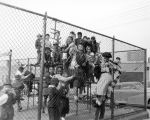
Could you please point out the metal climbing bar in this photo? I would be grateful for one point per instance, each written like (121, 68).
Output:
(24, 27)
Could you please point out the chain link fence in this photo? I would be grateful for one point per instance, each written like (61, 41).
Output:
(20, 29)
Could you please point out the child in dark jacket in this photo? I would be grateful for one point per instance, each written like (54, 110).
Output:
(54, 100)
(7, 100)
(46, 83)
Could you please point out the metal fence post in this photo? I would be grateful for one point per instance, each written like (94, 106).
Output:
(112, 93)
(9, 66)
(28, 62)
(42, 70)
(145, 79)
(55, 28)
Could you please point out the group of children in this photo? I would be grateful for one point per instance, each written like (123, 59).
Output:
(55, 89)
(80, 58)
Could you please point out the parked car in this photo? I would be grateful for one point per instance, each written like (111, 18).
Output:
(130, 93)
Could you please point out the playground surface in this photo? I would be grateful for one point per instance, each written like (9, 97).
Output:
(85, 112)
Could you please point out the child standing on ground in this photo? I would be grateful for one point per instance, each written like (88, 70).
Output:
(63, 89)
(46, 83)
(54, 100)
(7, 100)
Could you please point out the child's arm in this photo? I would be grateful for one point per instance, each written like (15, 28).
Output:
(64, 79)
(3, 99)
(24, 77)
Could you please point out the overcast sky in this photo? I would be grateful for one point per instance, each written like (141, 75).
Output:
(128, 20)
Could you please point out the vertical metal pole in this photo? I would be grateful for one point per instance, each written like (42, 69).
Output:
(90, 96)
(34, 86)
(28, 63)
(145, 79)
(112, 93)
(87, 95)
(42, 70)
(76, 102)
(28, 88)
(9, 66)
(55, 28)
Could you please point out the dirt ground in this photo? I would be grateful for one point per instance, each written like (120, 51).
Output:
(85, 112)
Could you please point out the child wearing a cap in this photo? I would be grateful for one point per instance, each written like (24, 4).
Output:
(38, 47)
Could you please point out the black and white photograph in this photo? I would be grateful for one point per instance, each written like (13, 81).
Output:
(74, 60)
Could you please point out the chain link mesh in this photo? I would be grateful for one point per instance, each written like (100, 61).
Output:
(19, 30)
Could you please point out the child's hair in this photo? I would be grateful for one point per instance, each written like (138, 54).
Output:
(7, 88)
(46, 74)
(107, 55)
(118, 58)
(85, 37)
(59, 67)
(47, 35)
(79, 33)
(72, 32)
(93, 38)
(54, 82)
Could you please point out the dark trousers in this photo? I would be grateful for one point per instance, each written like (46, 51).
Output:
(38, 56)
(100, 111)
(64, 106)
(53, 113)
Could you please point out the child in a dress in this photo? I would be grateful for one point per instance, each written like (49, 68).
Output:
(102, 85)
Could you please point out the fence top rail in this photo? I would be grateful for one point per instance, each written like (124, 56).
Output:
(129, 44)
(29, 11)
(22, 9)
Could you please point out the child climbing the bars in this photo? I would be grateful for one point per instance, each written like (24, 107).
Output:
(18, 84)
(63, 89)
(102, 85)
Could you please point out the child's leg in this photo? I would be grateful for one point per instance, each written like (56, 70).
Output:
(45, 103)
(18, 101)
(97, 113)
(38, 57)
(51, 113)
(102, 111)
(75, 92)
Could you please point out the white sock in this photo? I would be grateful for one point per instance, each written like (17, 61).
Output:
(98, 102)
(75, 98)
(62, 118)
